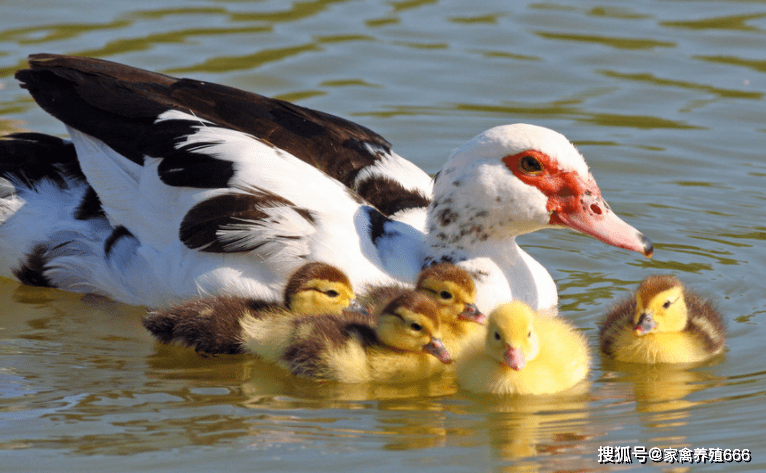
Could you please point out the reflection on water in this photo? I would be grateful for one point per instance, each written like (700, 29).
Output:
(661, 388)
(664, 99)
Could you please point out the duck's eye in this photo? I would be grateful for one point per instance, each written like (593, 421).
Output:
(529, 335)
(666, 305)
(530, 165)
(445, 295)
(497, 336)
(416, 326)
(332, 293)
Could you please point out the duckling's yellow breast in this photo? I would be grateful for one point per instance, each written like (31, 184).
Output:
(662, 347)
(393, 366)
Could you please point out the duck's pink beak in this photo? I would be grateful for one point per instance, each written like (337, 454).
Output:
(514, 358)
(587, 212)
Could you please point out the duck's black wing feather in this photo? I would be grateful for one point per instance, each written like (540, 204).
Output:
(119, 105)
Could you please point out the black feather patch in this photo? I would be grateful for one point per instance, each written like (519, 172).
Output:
(30, 157)
(185, 165)
(32, 271)
(378, 223)
(119, 105)
(117, 233)
(389, 196)
(97, 100)
(201, 226)
(90, 206)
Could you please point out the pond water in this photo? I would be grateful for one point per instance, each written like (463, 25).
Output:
(664, 98)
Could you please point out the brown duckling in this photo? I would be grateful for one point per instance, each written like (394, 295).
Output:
(211, 325)
(453, 289)
(663, 322)
(400, 343)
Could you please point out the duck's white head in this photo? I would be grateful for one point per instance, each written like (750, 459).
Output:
(516, 179)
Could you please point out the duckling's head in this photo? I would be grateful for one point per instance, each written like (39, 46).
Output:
(318, 288)
(511, 337)
(660, 306)
(410, 322)
(453, 290)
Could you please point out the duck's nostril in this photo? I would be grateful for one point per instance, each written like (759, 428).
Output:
(595, 209)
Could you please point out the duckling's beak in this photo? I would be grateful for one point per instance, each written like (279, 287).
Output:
(514, 358)
(645, 324)
(357, 307)
(436, 348)
(473, 314)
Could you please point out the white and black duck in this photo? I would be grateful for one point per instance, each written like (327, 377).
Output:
(172, 188)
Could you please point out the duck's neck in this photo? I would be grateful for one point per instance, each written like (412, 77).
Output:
(479, 232)
(462, 226)
(502, 272)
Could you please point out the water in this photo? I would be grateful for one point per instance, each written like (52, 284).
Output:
(664, 98)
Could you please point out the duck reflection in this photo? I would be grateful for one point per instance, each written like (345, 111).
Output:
(523, 427)
(662, 387)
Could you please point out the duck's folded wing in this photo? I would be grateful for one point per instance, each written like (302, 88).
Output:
(119, 106)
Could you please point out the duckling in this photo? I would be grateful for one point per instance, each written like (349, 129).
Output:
(454, 291)
(663, 322)
(211, 325)
(401, 343)
(524, 353)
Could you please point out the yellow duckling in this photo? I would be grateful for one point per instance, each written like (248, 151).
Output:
(400, 343)
(453, 289)
(211, 325)
(524, 353)
(663, 323)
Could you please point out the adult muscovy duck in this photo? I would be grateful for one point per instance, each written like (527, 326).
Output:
(172, 188)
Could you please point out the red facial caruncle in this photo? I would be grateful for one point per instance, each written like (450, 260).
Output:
(575, 201)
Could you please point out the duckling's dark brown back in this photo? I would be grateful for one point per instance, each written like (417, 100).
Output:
(619, 317)
(705, 322)
(315, 336)
(210, 325)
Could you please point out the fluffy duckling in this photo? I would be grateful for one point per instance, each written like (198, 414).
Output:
(454, 291)
(211, 325)
(663, 323)
(400, 343)
(524, 353)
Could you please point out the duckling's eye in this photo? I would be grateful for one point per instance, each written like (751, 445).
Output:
(529, 335)
(416, 326)
(445, 295)
(332, 293)
(497, 336)
(530, 165)
(666, 305)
